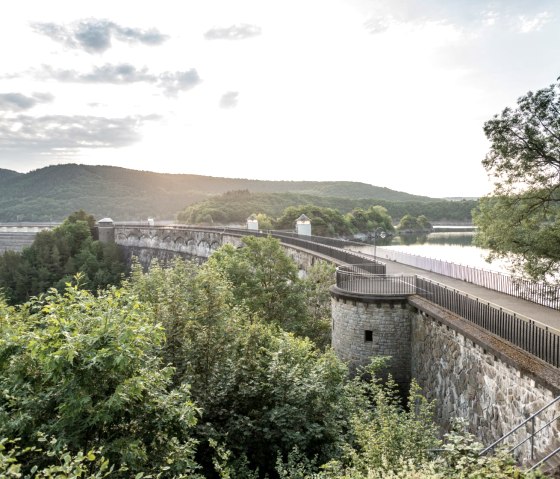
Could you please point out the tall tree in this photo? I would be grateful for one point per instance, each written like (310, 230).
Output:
(56, 256)
(264, 279)
(521, 220)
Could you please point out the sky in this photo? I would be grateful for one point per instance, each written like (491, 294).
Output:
(393, 93)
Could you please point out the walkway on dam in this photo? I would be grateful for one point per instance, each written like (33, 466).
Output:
(542, 314)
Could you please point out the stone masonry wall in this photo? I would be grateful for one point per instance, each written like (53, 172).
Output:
(470, 373)
(389, 323)
(480, 384)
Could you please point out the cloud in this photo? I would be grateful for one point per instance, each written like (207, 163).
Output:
(235, 32)
(124, 73)
(54, 134)
(150, 37)
(173, 83)
(379, 24)
(229, 99)
(95, 35)
(108, 73)
(534, 23)
(20, 102)
(525, 14)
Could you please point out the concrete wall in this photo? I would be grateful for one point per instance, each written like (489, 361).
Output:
(15, 241)
(147, 243)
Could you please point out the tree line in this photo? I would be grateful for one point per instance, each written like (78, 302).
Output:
(234, 207)
(324, 221)
(54, 192)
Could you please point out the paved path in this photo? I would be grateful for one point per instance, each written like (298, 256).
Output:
(548, 316)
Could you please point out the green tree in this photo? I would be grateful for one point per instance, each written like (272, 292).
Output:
(315, 286)
(367, 220)
(274, 392)
(87, 371)
(56, 256)
(324, 221)
(411, 224)
(262, 391)
(265, 221)
(264, 280)
(521, 220)
(10, 270)
(197, 310)
(396, 441)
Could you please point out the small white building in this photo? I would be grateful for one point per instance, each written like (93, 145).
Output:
(106, 230)
(252, 223)
(303, 226)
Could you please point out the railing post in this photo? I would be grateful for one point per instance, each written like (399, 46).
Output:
(533, 438)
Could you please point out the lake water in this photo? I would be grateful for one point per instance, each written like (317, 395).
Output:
(453, 246)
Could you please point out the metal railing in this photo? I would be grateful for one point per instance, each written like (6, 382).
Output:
(540, 293)
(359, 280)
(536, 292)
(532, 336)
(531, 437)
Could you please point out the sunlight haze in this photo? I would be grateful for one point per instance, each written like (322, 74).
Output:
(390, 93)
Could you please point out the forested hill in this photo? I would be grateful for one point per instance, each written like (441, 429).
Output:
(52, 193)
(236, 206)
(5, 174)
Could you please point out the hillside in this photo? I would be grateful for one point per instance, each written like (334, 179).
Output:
(6, 174)
(124, 194)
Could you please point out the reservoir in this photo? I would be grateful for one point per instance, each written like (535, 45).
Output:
(454, 245)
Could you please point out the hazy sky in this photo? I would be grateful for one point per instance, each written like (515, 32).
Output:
(389, 92)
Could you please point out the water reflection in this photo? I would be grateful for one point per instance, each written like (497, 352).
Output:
(453, 246)
(456, 238)
(442, 238)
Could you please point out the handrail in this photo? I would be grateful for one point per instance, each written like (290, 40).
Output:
(536, 292)
(544, 459)
(530, 437)
(528, 334)
(356, 279)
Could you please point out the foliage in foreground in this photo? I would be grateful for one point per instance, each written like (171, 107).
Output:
(266, 282)
(177, 374)
(87, 371)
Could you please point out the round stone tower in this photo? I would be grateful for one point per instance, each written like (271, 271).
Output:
(371, 317)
